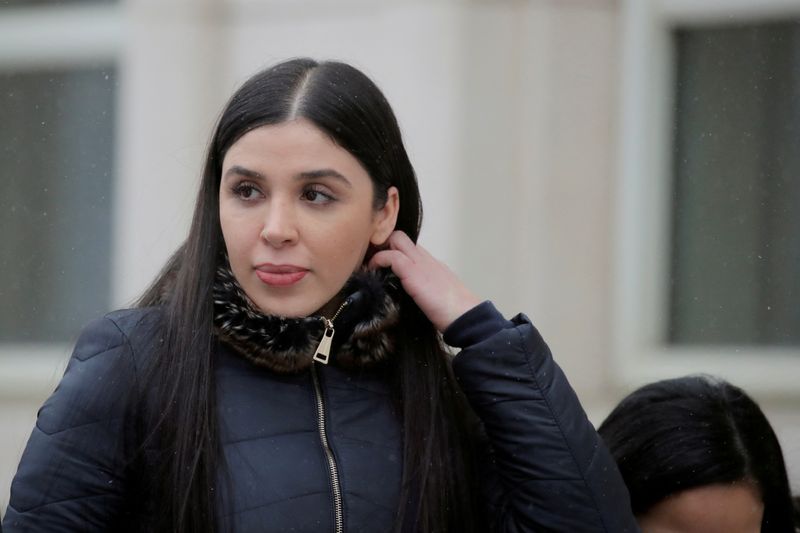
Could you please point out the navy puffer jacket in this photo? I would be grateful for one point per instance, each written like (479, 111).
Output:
(550, 471)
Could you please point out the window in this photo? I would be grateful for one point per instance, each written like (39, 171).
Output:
(58, 79)
(31, 3)
(56, 176)
(736, 200)
(708, 256)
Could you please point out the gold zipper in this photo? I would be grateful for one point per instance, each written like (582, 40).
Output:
(323, 352)
(322, 355)
(338, 512)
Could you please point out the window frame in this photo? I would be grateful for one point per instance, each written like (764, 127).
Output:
(643, 217)
(38, 37)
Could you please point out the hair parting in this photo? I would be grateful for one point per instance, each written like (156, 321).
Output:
(298, 97)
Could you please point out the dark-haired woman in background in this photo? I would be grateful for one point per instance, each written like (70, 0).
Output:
(698, 455)
(286, 372)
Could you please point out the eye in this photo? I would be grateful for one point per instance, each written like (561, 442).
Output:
(315, 195)
(246, 191)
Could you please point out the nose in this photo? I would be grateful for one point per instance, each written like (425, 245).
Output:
(280, 226)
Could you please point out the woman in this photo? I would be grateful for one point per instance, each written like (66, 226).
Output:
(697, 454)
(286, 373)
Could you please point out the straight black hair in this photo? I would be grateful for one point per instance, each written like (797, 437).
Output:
(438, 489)
(688, 432)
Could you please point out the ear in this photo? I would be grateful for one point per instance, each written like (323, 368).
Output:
(385, 218)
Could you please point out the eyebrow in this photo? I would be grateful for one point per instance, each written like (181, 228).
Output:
(241, 171)
(324, 173)
(305, 176)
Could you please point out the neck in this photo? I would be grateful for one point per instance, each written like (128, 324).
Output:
(365, 328)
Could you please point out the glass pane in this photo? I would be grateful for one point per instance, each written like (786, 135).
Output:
(56, 162)
(32, 3)
(736, 228)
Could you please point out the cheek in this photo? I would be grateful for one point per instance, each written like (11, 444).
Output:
(341, 251)
(238, 237)
(343, 245)
(228, 234)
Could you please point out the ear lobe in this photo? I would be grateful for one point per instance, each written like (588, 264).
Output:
(386, 217)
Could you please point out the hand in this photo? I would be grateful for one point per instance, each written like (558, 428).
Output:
(435, 288)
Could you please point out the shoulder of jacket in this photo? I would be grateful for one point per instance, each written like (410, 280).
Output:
(133, 329)
(133, 322)
(101, 373)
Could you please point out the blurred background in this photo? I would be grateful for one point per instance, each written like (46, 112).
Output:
(627, 173)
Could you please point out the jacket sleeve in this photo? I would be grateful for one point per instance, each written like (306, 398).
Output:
(549, 470)
(70, 477)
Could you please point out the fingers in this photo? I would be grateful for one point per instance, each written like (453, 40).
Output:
(434, 287)
(401, 252)
(398, 255)
(398, 240)
(394, 259)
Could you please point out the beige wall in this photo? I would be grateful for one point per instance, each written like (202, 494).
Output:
(510, 111)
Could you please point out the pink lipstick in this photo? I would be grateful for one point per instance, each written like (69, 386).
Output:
(280, 275)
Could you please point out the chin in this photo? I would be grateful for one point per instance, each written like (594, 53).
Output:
(289, 309)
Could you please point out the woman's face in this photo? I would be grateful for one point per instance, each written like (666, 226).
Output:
(732, 508)
(297, 216)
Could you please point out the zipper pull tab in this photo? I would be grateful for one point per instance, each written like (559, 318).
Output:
(324, 349)
(323, 352)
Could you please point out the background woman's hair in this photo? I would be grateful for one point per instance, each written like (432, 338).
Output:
(682, 433)
(438, 491)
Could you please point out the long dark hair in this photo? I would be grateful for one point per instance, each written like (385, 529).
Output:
(688, 432)
(437, 490)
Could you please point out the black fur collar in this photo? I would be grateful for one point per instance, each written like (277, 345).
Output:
(365, 328)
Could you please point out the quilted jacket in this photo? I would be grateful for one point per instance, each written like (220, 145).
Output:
(550, 472)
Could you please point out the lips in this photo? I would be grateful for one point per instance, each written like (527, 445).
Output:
(280, 275)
